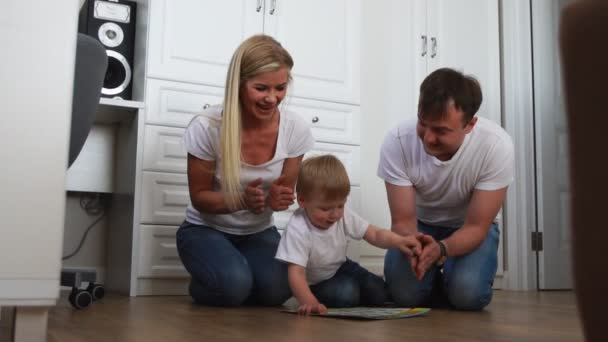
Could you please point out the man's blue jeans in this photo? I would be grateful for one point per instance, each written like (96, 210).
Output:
(352, 285)
(463, 282)
(230, 270)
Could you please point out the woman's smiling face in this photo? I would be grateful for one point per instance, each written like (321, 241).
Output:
(261, 95)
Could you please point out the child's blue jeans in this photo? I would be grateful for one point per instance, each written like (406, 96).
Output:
(463, 282)
(230, 270)
(352, 285)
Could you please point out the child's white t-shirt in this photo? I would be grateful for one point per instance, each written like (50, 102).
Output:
(202, 140)
(443, 188)
(320, 251)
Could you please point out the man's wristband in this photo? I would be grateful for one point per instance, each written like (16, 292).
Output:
(444, 253)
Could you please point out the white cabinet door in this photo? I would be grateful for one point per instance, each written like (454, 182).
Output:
(158, 255)
(193, 40)
(323, 39)
(176, 103)
(464, 35)
(164, 149)
(164, 198)
(330, 121)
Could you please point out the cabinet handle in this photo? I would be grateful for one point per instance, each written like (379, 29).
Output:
(206, 106)
(315, 119)
(258, 7)
(423, 45)
(433, 47)
(273, 6)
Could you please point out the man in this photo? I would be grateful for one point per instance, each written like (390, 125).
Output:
(446, 176)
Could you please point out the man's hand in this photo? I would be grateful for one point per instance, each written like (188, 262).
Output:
(307, 309)
(281, 196)
(254, 197)
(431, 252)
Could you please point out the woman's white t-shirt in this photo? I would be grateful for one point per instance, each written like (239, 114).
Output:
(484, 161)
(202, 140)
(320, 251)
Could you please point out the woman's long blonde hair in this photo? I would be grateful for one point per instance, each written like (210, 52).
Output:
(256, 55)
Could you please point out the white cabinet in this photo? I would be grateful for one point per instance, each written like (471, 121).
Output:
(193, 40)
(463, 35)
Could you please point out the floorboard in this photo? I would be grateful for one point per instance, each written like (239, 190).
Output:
(512, 316)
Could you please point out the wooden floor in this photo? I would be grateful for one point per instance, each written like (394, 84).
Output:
(512, 316)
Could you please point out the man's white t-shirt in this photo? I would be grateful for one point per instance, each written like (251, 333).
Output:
(320, 251)
(202, 140)
(444, 188)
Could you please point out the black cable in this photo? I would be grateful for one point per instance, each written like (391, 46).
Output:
(84, 236)
(92, 206)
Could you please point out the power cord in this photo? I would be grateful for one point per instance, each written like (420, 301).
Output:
(92, 206)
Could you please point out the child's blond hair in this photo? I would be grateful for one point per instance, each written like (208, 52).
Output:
(323, 177)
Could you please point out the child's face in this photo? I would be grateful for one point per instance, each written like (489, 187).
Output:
(323, 213)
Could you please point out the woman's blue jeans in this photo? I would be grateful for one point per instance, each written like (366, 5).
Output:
(352, 285)
(230, 270)
(463, 282)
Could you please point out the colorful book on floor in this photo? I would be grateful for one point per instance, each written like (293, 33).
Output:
(370, 313)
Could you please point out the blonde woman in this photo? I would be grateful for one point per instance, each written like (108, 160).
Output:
(243, 161)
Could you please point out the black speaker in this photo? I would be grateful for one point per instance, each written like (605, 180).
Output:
(112, 22)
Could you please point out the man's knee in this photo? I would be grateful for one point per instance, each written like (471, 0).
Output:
(466, 293)
(401, 281)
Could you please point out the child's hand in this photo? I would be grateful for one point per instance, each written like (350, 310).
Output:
(410, 245)
(280, 196)
(254, 197)
(307, 309)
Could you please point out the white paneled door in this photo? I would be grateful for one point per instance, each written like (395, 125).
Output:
(193, 40)
(464, 35)
(553, 189)
(323, 38)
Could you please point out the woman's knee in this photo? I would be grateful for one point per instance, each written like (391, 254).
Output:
(228, 287)
(273, 291)
(271, 285)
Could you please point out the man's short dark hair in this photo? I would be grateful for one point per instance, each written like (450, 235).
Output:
(444, 86)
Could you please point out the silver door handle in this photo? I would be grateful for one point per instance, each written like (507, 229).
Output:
(206, 105)
(423, 45)
(315, 119)
(258, 7)
(273, 6)
(433, 47)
